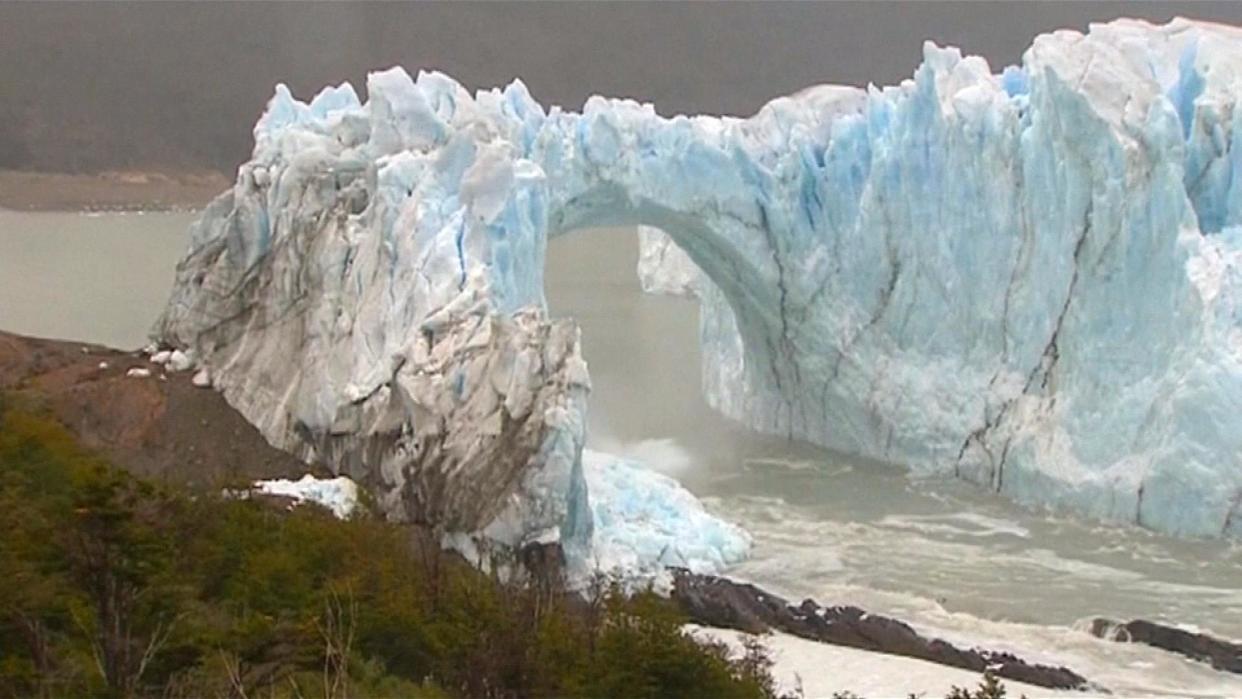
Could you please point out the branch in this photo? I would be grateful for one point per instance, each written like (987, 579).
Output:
(158, 639)
(96, 651)
(232, 667)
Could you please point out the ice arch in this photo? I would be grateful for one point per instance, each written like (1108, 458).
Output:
(998, 276)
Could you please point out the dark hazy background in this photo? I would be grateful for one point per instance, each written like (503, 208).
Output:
(86, 87)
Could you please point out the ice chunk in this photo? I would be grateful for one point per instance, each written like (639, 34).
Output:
(644, 521)
(180, 361)
(340, 495)
(663, 268)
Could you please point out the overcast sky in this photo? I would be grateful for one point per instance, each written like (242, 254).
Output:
(103, 85)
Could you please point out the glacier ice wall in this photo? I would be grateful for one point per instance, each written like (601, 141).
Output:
(1027, 279)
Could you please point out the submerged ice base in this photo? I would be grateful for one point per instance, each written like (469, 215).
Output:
(1026, 279)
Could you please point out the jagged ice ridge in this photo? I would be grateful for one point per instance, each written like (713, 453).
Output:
(1027, 279)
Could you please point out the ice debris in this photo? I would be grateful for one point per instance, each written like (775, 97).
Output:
(339, 495)
(644, 522)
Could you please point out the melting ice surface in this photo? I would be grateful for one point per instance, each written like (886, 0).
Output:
(1025, 279)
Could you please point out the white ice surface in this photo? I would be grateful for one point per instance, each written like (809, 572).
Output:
(644, 521)
(821, 669)
(340, 495)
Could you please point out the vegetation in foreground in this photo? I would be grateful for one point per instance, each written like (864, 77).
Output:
(118, 588)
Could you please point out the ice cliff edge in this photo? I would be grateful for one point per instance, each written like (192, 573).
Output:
(1028, 279)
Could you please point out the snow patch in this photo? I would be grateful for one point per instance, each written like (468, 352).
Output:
(340, 495)
(821, 669)
(202, 378)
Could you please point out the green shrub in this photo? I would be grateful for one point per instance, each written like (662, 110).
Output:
(119, 588)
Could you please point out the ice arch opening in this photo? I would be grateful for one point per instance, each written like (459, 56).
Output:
(642, 350)
(1000, 276)
(746, 323)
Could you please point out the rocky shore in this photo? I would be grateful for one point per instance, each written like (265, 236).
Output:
(1222, 655)
(724, 603)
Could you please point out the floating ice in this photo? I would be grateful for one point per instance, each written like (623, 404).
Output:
(179, 361)
(644, 521)
(1029, 279)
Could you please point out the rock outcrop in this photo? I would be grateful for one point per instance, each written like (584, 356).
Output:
(1221, 654)
(160, 426)
(723, 603)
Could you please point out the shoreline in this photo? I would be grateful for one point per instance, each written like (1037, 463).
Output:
(113, 191)
(164, 426)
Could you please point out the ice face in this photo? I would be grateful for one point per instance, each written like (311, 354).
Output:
(1026, 279)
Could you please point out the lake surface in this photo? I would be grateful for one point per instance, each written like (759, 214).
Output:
(952, 560)
(95, 277)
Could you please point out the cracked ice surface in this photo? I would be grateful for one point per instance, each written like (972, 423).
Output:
(1027, 279)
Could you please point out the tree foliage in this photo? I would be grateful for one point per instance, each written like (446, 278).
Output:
(119, 588)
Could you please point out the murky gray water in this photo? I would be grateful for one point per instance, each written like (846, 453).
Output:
(948, 558)
(100, 277)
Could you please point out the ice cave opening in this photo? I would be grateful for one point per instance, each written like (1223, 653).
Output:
(642, 350)
(651, 437)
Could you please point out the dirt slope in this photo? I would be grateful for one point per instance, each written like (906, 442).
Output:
(162, 427)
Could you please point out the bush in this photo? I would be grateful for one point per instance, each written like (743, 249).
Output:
(119, 588)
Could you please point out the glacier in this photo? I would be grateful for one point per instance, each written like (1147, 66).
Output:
(1026, 278)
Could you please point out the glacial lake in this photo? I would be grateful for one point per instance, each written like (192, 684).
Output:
(951, 560)
(97, 277)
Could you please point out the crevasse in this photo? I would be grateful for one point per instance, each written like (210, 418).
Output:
(1026, 279)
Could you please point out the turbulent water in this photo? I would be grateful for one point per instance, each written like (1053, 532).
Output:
(948, 558)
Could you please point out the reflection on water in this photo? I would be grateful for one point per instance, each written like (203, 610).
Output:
(951, 559)
(98, 278)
